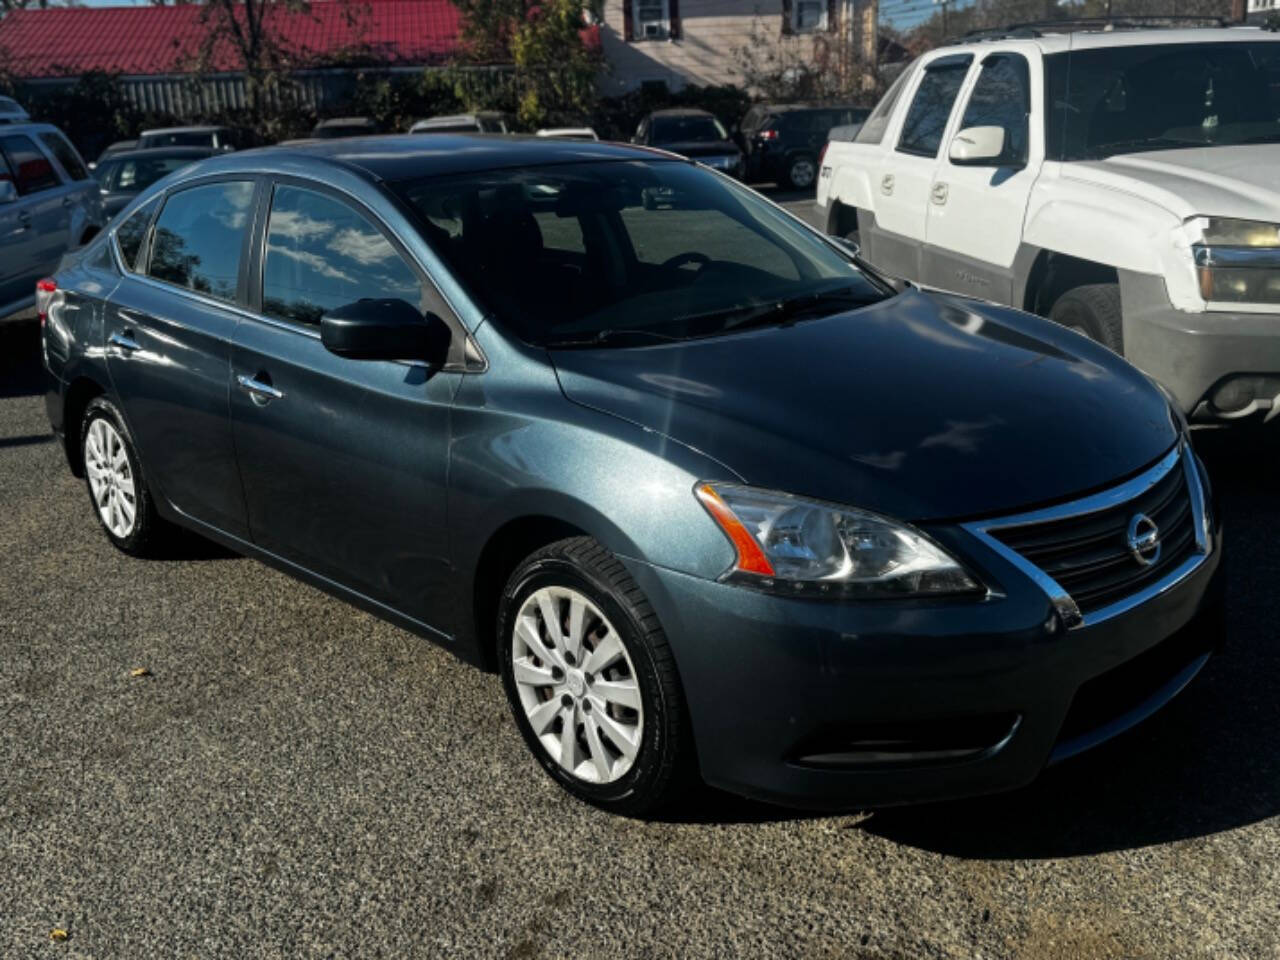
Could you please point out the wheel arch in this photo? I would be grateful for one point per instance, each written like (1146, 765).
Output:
(1051, 274)
(79, 393)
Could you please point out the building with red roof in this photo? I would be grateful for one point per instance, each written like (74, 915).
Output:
(150, 41)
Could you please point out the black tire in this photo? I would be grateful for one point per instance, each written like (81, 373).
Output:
(662, 768)
(1095, 310)
(148, 530)
(802, 171)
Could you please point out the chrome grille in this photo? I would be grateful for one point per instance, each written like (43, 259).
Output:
(1080, 552)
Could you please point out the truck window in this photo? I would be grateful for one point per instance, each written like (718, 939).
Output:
(878, 122)
(928, 114)
(1002, 98)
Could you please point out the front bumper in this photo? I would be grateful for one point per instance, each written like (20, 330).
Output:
(1193, 354)
(779, 689)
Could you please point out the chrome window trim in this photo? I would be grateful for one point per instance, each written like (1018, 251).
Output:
(1059, 597)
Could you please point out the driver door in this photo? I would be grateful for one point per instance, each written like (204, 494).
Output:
(343, 461)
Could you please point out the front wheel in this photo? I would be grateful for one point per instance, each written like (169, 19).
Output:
(1093, 310)
(591, 679)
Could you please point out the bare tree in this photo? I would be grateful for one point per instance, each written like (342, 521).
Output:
(247, 29)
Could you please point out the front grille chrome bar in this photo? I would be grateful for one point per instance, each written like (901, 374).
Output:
(1065, 605)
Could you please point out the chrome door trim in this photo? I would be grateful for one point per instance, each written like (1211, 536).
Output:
(258, 389)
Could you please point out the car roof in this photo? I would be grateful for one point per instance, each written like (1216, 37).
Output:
(458, 117)
(682, 112)
(196, 153)
(194, 129)
(395, 157)
(1093, 39)
(8, 129)
(345, 122)
(789, 107)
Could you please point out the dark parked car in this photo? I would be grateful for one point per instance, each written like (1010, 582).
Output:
(120, 146)
(122, 176)
(782, 142)
(337, 128)
(707, 494)
(486, 121)
(695, 134)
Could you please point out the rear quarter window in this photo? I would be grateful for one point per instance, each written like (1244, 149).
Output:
(873, 130)
(32, 170)
(131, 234)
(66, 155)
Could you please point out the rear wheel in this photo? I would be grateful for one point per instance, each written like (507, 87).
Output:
(116, 488)
(802, 171)
(1093, 310)
(591, 679)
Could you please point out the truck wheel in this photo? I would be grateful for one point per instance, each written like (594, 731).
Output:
(802, 171)
(1093, 310)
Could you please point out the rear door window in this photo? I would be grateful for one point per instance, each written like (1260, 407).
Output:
(877, 121)
(199, 237)
(131, 233)
(927, 117)
(32, 170)
(321, 254)
(66, 155)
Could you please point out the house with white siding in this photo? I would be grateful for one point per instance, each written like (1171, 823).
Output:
(681, 42)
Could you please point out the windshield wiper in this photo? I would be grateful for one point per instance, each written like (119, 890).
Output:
(601, 337)
(790, 309)
(1139, 144)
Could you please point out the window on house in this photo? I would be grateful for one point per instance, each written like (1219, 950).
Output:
(653, 19)
(808, 15)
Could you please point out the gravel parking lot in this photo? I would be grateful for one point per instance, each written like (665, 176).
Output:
(295, 778)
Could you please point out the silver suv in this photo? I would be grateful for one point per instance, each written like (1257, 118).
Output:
(49, 203)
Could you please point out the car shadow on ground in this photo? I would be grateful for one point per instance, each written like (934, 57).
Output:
(1208, 762)
(21, 372)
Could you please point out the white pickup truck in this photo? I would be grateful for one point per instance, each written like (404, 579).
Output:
(1125, 183)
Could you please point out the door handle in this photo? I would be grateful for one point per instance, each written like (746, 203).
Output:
(67, 201)
(258, 391)
(940, 193)
(124, 340)
(886, 184)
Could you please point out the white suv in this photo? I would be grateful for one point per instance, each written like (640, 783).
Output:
(1125, 183)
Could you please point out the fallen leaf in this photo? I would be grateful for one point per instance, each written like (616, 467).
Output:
(139, 672)
(57, 933)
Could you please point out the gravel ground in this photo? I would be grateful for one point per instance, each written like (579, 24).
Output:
(295, 778)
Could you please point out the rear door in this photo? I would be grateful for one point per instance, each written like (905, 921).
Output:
(976, 212)
(168, 329)
(905, 178)
(343, 461)
(44, 208)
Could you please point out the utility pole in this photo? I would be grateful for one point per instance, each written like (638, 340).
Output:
(870, 29)
(944, 4)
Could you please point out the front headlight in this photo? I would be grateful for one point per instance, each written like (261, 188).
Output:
(1238, 261)
(802, 547)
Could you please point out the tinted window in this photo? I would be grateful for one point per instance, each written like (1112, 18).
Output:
(66, 155)
(131, 233)
(927, 116)
(878, 121)
(199, 235)
(686, 129)
(104, 173)
(1161, 97)
(189, 138)
(657, 250)
(32, 171)
(1002, 98)
(136, 174)
(321, 254)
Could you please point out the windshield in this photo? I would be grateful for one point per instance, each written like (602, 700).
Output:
(187, 138)
(686, 130)
(1167, 96)
(629, 252)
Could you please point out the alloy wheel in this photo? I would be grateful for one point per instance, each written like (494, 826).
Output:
(111, 479)
(802, 173)
(577, 685)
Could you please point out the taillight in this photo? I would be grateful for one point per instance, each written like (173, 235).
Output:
(822, 154)
(45, 289)
(768, 134)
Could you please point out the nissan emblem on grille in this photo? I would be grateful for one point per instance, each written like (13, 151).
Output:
(1144, 539)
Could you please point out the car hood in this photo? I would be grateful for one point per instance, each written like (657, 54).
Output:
(921, 407)
(1241, 181)
(702, 148)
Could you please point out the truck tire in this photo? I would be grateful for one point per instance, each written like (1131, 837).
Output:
(801, 172)
(1093, 310)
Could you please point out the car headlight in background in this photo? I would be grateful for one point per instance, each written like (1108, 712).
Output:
(1238, 261)
(802, 547)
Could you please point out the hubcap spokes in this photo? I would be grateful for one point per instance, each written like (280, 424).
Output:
(110, 478)
(577, 685)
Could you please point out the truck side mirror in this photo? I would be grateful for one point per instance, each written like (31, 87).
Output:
(978, 147)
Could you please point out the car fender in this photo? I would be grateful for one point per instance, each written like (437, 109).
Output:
(851, 175)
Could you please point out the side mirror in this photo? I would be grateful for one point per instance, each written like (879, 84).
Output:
(8, 192)
(978, 147)
(390, 329)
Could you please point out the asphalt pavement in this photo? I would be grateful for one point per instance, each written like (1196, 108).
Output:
(293, 778)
